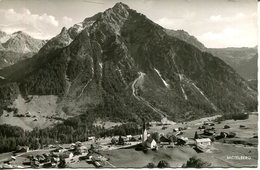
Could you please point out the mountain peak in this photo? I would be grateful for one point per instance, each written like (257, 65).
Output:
(120, 5)
(3, 37)
(64, 33)
(2, 32)
(119, 9)
(61, 40)
(20, 33)
(64, 30)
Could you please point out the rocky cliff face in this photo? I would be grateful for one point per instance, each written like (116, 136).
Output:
(125, 67)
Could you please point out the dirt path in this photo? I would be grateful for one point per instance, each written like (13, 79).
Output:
(84, 88)
(110, 164)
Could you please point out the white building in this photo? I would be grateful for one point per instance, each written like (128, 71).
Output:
(203, 141)
(151, 143)
(164, 121)
(203, 144)
(144, 136)
(91, 138)
(128, 137)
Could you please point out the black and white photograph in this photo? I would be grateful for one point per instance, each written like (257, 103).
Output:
(128, 84)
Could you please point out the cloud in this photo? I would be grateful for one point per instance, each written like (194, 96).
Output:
(236, 17)
(236, 36)
(66, 21)
(34, 24)
(173, 23)
(166, 22)
(215, 18)
(28, 18)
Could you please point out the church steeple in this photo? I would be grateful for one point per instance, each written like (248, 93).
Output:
(144, 132)
(144, 125)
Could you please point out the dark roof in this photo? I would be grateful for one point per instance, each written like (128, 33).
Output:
(149, 140)
(164, 139)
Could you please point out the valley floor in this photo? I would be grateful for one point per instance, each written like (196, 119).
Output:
(222, 154)
(240, 151)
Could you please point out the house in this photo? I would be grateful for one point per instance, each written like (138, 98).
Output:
(231, 135)
(28, 114)
(151, 143)
(226, 127)
(55, 158)
(80, 149)
(66, 155)
(128, 137)
(203, 141)
(209, 132)
(47, 165)
(59, 149)
(51, 146)
(97, 164)
(91, 138)
(227, 134)
(78, 143)
(22, 149)
(209, 123)
(173, 138)
(134, 138)
(40, 158)
(164, 140)
(203, 144)
(83, 149)
(124, 137)
(175, 129)
(72, 146)
(164, 121)
(182, 140)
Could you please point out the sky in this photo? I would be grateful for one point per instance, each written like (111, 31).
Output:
(216, 23)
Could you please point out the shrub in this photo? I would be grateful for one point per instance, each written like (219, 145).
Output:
(150, 165)
(194, 162)
(163, 164)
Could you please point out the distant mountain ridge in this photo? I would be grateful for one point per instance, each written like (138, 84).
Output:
(122, 67)
(243, 60)
(185, 36)
(21, 42)
(3, 37)
(17, 47)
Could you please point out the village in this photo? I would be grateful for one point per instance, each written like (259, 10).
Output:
(206, 138)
